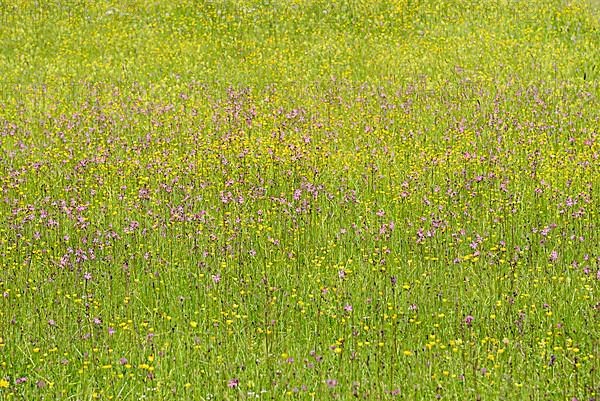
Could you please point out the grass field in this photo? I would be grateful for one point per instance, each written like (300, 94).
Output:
(304, 199)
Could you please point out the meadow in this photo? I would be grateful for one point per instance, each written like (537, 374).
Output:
(303, 200)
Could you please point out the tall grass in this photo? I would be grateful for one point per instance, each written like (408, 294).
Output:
(299, 200)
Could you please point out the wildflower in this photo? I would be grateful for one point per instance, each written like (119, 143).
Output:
(233, 383)
(469, 320)
(4, 383)
(331, 383)
(348, 308)
(553, 256)
(216, 278)
(87, 276)
(21, 380)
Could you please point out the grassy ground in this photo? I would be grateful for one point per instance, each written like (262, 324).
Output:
(299, 200)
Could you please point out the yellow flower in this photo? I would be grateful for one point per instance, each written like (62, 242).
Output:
(4, 383)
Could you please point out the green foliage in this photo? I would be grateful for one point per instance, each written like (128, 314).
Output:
(299, 199)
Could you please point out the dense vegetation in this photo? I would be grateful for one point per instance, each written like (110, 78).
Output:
(300, 200)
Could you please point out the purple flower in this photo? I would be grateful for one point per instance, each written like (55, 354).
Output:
(348, 308)
(233, 383)
(331, 383)
(87, 276)
(21, 380)
(216, 278)
(123, 361)
(111, 331)
(469, 320)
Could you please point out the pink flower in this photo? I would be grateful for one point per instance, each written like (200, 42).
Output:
(468, 320)
(233, 383)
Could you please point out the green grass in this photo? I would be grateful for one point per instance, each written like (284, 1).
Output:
(299, 200)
